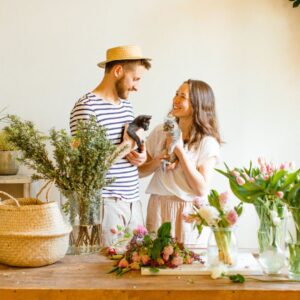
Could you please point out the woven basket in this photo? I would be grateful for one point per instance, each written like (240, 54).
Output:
(32, 233)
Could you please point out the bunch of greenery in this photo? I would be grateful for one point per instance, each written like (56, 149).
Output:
(79, 165)
(5, 145)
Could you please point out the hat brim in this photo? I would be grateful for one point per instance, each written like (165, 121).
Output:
(103, 63)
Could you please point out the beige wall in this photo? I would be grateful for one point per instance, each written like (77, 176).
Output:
(247, 50)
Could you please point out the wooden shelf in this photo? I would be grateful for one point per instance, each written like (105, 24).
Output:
(16, 185)
(85, 277)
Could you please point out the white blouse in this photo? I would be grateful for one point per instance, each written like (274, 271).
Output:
(174, 182)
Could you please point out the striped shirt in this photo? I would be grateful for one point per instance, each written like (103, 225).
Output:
(113, 118)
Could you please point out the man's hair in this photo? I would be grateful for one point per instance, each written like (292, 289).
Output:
(127, 64)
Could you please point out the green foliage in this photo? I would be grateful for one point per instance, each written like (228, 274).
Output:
(237, 278)
(80, 163)
(296, 3)
(163, 239)
(5, 145)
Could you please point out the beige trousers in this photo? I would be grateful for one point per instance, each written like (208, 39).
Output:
(118, 212)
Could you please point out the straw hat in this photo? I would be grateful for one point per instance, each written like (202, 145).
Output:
(130, 52)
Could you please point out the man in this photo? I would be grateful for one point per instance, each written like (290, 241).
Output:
(124, 67)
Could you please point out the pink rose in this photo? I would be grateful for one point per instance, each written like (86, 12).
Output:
(280, 194)
(168, 250)
(232, 217)
(240, 180)
(140, 230)
(135, 257)
(123, 263)
(223, 198)
(166, 257)
(177, 261)
(145, 259)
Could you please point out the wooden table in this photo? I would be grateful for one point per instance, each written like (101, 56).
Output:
(85, 277)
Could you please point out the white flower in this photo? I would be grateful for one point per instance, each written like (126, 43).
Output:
(210, 214)
(217, 271)
(274, 217)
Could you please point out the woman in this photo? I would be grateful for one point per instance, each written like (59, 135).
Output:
(173, 190)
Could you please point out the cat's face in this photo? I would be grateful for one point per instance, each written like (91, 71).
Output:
(145, 121)
(169, 124)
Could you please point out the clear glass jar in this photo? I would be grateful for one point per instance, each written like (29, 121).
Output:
(270, 240)
(222, 247)
(85, 216)
(293, 243)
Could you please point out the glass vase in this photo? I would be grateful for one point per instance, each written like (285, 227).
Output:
(270, 241)
(85, 216)
(222, 247)
(293, 243)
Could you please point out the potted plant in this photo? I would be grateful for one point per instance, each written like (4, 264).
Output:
(9, 164)
(78, 168)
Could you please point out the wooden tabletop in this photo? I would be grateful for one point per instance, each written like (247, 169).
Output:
(85, 277)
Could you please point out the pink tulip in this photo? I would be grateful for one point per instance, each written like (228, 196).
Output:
(240, 180)
(113, 230)
(177, 261)
(251, 179)
(198, 202)
(187, 218)
(246, 176)
(232, 217)
(283, 166)
(168, 250)
(280, 194)
(261, 161)
(145, 259)
(292, 165)
(123, 263)
(263, 169)
(223, 198)
(266, 177)
(235, 173)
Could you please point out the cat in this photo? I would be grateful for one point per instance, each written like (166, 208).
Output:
(141, 121)
(172, 129)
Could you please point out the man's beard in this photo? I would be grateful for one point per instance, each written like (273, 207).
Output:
(121, 89)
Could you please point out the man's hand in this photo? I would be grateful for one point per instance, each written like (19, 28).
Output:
(136, 158)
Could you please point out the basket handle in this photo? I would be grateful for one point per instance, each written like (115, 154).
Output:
(44, 187)
(10, 197)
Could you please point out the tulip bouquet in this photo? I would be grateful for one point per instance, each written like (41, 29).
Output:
(151, 250)
(265, 187)
(220, 215)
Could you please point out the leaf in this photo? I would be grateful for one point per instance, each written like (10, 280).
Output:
(164, 230)
(113, 270)
(154, 270)
(157, 248)
(237, 278)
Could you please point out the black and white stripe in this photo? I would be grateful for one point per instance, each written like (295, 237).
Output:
(113, 118)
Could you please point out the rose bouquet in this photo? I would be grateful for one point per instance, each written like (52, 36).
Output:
(220, 215)
(151, 250)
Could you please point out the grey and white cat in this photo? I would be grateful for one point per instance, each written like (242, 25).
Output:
(172, 129)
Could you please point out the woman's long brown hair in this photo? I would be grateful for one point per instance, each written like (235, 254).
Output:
(204, 112)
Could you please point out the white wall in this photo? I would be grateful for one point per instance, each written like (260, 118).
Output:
(247, 50)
